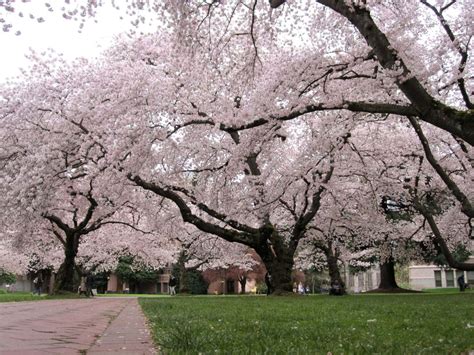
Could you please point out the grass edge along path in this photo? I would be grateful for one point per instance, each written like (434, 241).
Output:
(396, 324)
(28, 296)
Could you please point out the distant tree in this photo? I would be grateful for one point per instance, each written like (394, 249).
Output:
(134, 273)
(460, 253)
(240, 117)
(7, 277)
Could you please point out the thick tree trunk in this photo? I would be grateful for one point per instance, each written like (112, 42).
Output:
(388, 284)
(387, 276)
(65, 279)
(334, 274)
(279, 272)
(278, 260)
(182, 273)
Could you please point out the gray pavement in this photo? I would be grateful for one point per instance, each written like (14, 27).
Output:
(78, 326)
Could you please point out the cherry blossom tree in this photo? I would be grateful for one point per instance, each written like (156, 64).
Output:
(219, 175)
(258, 202)
(402, 75)
(153, 249)
(410, 189)
(208, 253)
(54, 170)
(372, 214)
(232, 118)
(12, 259)
(401, 66)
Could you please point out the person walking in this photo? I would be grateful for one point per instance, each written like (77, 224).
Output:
(268, 282)
(336, 289)
(38, 284)
(89, 284)
(82, 287)
(172, 285)
(462, 283)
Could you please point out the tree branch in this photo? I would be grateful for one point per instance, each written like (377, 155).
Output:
(189, 217)
(57, 221)
(466, 208)
(123, 224)
(90, 211)
(463, 53)
(213, 213)
(439, 240)
(454, 121)
(57, 235)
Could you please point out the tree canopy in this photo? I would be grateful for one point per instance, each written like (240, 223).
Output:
(260, 124)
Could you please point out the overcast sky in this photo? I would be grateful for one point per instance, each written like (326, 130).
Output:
(55, 32)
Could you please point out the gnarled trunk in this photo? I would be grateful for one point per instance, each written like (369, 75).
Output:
(387, 276)
(279, 276)
(182, 273)
(334, 274)
(66, 279)
(278, 260)
(388, 284)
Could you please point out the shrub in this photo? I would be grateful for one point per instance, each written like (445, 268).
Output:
(261, 288)
(7, 277)
(196, 284)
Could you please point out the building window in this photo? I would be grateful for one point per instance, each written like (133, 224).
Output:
(437, 275)
(449, 278)
(369, 280)
(351, 280)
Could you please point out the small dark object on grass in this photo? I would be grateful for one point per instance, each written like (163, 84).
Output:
(336, 289)
(462, 283)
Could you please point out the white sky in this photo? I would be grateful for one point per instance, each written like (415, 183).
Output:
(56, 32)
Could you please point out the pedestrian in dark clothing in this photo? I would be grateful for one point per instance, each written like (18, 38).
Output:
(336, 289)
(462, 283)
(38, 283)
(172, 285)
(89, 283)
(268, 282)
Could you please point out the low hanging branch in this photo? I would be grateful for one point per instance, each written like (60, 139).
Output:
(230, 235)
(442, 246)
(467, 207)
(459, 123)
(463, 52)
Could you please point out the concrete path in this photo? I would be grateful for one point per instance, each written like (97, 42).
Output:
(79, 326)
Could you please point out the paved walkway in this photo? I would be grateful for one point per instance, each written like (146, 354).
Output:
(80, 326)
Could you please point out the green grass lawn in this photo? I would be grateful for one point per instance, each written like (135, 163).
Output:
(362, 324)
(27, 296)
(447, 290)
